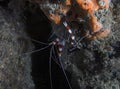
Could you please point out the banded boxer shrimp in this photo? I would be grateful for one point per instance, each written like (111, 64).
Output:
(57, 45)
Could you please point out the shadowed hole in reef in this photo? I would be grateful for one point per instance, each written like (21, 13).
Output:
(4, 3)
(39, 28)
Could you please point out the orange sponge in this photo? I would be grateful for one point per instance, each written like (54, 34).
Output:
(55, 18)
(100, 34)
(93, 5)
(90, 6)
(95, 25)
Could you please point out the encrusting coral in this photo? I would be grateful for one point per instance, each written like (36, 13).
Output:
(74, 10)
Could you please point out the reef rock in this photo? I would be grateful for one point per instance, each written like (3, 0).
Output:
(15, 66)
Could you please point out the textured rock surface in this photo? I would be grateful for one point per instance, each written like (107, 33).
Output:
(98, 67)
(15, 66)
(75, 13)
(93, 66)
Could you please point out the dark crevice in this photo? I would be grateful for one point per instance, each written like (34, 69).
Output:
(39, 28)
(4, 3)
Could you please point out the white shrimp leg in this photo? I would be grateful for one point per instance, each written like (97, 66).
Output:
(54, 57)
(61, 44)
(64, 73)
(50, 58)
